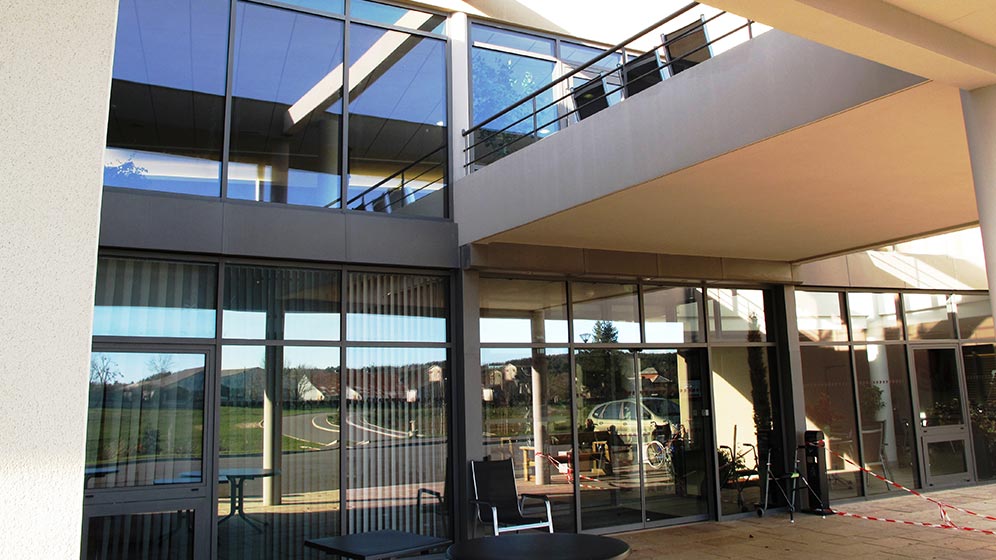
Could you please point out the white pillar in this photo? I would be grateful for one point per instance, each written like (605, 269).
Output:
(459, 32)
(979, 108)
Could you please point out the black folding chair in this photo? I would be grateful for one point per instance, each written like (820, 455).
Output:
(497, 502)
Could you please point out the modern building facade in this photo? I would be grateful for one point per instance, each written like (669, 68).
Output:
(316, 256)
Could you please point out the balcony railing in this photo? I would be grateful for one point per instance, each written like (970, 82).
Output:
(586, 90)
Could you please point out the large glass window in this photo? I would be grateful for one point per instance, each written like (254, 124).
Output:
(397, 127)
(146, 298)
(145, 423)
(526, 399)
(820, 317)
(286, 107)
(523, 311)
(266, 303)
(673, 314)
(980, 363)
(929, 316)
(396, 307)
(874, 316)
(830, 407)
(736, 315)
(167, 109)
(975, 316)
(605, 313)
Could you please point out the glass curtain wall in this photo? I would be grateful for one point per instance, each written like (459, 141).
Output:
(288, 143)
(291, 425)
(859, 389)
(626, 435)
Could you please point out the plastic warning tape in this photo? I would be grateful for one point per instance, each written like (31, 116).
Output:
(944, 506)
(916, 523)
(570, 472)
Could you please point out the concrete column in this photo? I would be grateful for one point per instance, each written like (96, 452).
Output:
(538, 376)
(979, 109)
(55, 84)
(459, 32)
(273, 424)
(468, 438)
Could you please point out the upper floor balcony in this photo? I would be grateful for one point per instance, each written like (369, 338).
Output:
(778, 149)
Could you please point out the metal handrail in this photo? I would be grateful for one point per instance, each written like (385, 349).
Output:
(471, 143)
(394, 175)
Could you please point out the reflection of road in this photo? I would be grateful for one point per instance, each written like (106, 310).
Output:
(312, 427)
(366, 430)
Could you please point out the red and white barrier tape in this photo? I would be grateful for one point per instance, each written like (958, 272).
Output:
(942, 506)
(917, 523)
(570, 472)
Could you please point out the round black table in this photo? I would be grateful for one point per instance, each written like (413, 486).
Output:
(541, 546)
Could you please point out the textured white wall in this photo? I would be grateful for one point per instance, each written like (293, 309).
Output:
(55, 70)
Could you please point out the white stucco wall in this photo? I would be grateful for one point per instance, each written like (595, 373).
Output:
(55, 69)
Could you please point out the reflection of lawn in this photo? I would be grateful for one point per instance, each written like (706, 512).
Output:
(517, 420)
(242, 429)
(117, 435)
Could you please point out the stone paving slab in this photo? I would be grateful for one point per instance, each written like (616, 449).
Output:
(773, 536)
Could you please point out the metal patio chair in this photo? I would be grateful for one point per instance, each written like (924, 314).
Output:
(497, 502)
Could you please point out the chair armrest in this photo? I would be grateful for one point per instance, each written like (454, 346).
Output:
(432, 493)
(541, 497)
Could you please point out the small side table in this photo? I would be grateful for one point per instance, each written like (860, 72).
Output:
(377, 545)
(527, 461)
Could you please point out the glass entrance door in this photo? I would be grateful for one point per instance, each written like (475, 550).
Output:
(640, 451)
(146, 491)
(946, 456)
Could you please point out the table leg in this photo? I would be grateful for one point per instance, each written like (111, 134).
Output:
(254, 523)
(232, 498)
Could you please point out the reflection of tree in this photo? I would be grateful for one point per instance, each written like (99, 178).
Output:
(600, 369)
(760, 393)
(160, 365)
(497, 86)
(103, 370)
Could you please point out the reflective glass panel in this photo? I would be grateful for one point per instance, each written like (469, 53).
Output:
(265, 303)
(929, 316)
(736, 315)
(165, 535)
(397, 16)
(938, 387)
(526, 400)
(523, 310)
(512, 39)
(874, 316)
(396, 307)
(575, 55)
(145, 423)
(286, 107)
(397, 440)
(744, 419)
(673, 314)
(980, 363)
(331, 6)
(500, 79)
(166, 120)
(154, 298)
(946, 457)
(819, 316)
(830, 407)
(605, 313)
(975, 316)
(279, 451)
(887, 425)
(397, 122)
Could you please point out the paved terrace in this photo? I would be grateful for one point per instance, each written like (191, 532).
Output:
(810, 536)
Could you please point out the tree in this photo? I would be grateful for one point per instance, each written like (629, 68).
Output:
(160, 364)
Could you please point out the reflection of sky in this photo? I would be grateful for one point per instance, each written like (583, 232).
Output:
(333, 6)
(382, 13)
(178, 44)
(495, 329)
(297, 326)
(501, 356)
(628, 332)
(511, 39)
(413, 89)
(134, 366)
(397, 328)
(280, 54)
(161, 172)
(374, 357)
(245, 357)
(501, 79)
(660, 331)
(152, 321)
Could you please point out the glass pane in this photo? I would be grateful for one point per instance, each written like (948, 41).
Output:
(280, 303)
(523, 311)
(576, 55)
(500, 80)
(605, 313)
(874, 316)
(397, 307)
(397, 440)
(938, 388)
(736, 315)
(511, 39)
(674, 433)
(946, 457)
(278, 450)
(975, 316)
(331, 6)
(286, 107)
(887, 429)
(929, 316)
(166, 119)
(534, 432)
(980, 365)
(397, 122)
(154, 298)
(829, 392)
(819, 316)
(608, 446)
(145, 421)
(672, 314)
(167, 535)
(397, 16)
(744, 421)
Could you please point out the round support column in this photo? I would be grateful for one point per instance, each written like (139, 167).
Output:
(979, 108)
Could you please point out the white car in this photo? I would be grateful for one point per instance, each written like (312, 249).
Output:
(622, 414)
